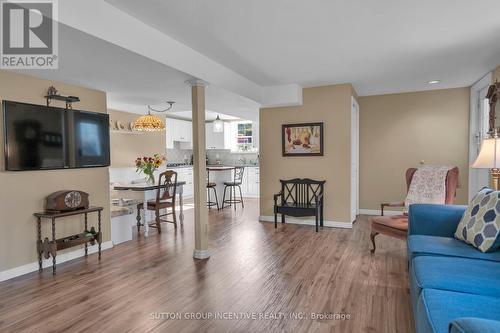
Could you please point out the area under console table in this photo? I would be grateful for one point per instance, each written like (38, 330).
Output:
(48, 247)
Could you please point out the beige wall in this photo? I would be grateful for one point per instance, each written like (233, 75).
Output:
(125, 148)
(398, 131)
(496, 74)
(23, 193)
(328, 104)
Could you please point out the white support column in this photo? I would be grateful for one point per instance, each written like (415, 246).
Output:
(199, 170)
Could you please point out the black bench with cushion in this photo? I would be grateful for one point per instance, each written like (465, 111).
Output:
(299, 197)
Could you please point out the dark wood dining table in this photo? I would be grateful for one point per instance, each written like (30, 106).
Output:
(145, 189)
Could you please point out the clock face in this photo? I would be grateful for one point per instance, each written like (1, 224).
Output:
(73, 199)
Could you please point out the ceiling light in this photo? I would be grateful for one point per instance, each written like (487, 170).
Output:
(218, 125)
(148, 123)
(434, 82)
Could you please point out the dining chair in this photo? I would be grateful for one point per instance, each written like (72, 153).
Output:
(165, 198)
(235, 183)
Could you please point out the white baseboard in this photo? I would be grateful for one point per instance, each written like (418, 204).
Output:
(201, 254)
(307, 221)
(62, 257)
(377, 212)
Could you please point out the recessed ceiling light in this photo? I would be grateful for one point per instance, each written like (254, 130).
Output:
(434, 82)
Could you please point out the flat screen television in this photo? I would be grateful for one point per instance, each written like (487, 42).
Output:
(42, 138)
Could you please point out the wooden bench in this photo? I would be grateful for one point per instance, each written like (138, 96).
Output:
(299, 197)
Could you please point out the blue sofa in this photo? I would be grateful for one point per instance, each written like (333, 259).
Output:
(453, 286)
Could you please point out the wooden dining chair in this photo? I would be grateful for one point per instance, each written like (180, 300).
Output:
(165, 198)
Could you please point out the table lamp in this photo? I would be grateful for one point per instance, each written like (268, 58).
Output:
(489, 158)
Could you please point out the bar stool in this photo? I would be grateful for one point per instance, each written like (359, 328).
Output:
(236, 183)
(211, 186)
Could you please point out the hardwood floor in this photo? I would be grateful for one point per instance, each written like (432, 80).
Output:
(254, 269)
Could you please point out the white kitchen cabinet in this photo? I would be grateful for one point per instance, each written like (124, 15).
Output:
(252, 185)
(169, 133)
(179, 131)
(213, 140)
(182, 131)
(186, 174)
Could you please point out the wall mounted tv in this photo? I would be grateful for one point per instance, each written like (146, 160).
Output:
(42, 138)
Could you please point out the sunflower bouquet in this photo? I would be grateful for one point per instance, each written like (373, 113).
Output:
(148, 165)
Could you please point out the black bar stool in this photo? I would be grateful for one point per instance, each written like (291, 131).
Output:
(236, 183)
(211, 186)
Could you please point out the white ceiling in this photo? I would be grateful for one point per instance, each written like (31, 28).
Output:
(382, 46)
(133, 81)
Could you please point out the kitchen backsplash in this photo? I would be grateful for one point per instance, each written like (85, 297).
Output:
(224, 155)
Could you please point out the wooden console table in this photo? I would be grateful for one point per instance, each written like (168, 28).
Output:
(50, 247)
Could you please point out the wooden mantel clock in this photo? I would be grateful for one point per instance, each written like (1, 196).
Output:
(67, 200)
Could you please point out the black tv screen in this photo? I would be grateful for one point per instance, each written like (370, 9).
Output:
(91, 139)
(40, 137)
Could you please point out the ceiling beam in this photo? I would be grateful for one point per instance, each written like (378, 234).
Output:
(104, 21)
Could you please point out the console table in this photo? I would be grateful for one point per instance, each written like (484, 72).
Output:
(50, 247)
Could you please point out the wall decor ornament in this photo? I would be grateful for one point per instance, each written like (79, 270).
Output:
(304, 139)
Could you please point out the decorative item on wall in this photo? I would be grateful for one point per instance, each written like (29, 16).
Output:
(148, 165)
(302, 139)
(120, 125)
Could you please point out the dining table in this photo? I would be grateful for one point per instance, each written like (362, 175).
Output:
(146, 188)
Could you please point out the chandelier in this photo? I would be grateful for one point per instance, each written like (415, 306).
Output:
(150, 122)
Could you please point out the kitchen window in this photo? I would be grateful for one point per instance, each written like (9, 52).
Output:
(241, 136)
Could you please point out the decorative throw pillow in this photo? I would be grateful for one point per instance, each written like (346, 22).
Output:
(480, 224)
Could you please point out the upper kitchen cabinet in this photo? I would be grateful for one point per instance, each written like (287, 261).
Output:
(215, 140)
(180, 131)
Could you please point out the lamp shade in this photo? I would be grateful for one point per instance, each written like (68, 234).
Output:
(489, 156)
(218, 125)
(148, 123)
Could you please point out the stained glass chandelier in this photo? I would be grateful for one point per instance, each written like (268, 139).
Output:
(150, 122)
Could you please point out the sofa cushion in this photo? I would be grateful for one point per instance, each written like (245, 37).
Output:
(474, 325)
(471, 276)
(438, 308)
(421, 245)
(480, 224)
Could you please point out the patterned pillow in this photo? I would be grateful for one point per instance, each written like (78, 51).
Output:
(480, 225)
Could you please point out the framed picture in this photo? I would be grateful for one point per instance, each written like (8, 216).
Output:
(302, 139)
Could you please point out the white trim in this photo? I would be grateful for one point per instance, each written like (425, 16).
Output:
(307, 221)
(477, 177)
(354, 207)
(377, 212)
(62, 257)
(201, 254)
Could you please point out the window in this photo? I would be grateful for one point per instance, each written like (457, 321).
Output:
(241, 137)
(244, 137)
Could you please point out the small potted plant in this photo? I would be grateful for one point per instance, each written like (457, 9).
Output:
(148, 165)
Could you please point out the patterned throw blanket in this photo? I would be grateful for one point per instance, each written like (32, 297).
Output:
(428, 185)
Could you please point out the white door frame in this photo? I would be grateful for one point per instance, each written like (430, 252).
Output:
(354, 158)
(477, 177)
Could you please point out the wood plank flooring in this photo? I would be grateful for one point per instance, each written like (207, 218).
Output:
(254, 270)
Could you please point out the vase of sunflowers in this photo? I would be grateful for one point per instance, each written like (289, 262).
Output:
(148, 165)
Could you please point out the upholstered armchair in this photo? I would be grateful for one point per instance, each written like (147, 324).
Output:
(397, 226)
